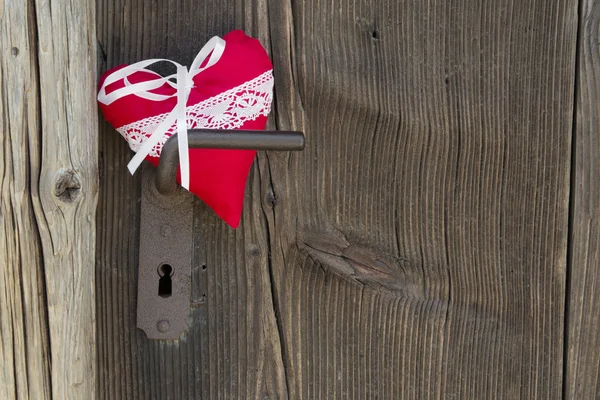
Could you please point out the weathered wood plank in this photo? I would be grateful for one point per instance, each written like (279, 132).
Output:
(48, 181)
(583, 362)
(419, 243)
(232, 349)
(24, 342)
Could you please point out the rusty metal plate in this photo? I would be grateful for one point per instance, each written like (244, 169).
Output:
(165, 260)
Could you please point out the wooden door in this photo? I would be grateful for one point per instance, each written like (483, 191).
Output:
(438, 238)
(416, 248)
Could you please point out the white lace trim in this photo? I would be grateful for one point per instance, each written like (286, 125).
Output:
(228, 110)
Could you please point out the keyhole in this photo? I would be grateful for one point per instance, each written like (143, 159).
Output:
(165, 286)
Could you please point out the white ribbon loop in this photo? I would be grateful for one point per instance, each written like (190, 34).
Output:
(183, 85)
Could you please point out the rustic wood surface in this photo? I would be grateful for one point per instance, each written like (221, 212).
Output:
(48, 197)
(419, 244)
(416, 249)
(24, 342)
(582, 380)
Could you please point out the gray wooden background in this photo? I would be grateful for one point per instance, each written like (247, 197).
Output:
(438, 238)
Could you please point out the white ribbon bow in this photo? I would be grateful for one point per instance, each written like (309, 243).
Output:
(183, 85)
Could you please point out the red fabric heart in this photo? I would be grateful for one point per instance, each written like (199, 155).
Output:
(234, 93)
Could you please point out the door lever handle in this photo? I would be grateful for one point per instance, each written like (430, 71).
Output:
(221, 139)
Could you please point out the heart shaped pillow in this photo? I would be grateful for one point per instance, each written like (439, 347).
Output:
(229, 86)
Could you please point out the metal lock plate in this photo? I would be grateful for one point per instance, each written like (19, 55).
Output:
(165, 260)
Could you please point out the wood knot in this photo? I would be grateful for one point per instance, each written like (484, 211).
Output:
(254, 250)
(270, 197)
(67, 187)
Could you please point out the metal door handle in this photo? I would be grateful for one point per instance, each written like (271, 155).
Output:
(166, 228)
(221, 139)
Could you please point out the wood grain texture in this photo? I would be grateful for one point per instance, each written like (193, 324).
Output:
(416, 249)
(583, 362)
(419, 243)
(232, 349)
(24, 341)
(48, 181)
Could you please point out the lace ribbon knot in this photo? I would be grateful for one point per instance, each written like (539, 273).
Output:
(182, 81)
